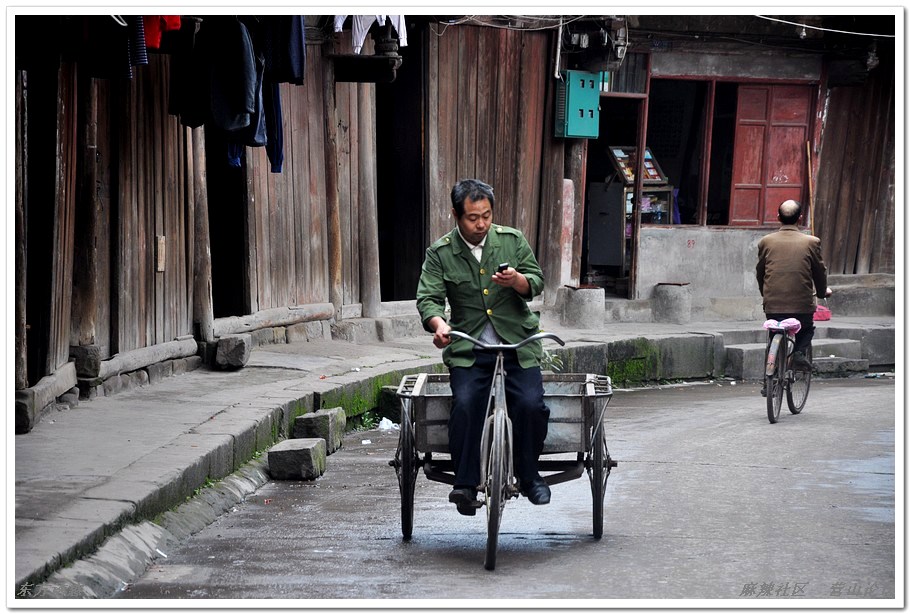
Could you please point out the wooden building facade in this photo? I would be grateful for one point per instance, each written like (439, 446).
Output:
(138, 242)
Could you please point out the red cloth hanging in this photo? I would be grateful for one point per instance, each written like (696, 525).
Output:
(156, 25)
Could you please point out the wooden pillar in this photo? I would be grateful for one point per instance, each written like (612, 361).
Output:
(21, 186)
(88, 223)
(576, 170)
(203, 311)
(336, 285)
(369, 223)
(552, 171)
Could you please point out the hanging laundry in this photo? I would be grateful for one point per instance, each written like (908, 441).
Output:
(360, 25)
(248, 126)
(108, 49)
(274, 128)
(283, 43)
(398, 24)
(156, 25)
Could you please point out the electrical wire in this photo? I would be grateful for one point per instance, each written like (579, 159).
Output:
(805, 25)
(479, 22)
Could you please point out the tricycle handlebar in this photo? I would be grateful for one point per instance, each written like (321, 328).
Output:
(495, 347)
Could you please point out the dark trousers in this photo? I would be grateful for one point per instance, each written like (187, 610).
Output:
(470, 395)
(805, 334)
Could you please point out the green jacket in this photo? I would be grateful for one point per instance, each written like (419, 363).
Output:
(451, 272)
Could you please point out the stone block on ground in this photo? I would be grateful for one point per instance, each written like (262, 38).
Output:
(581, 307)
(233, 351)
(297, 459)
(672, 303)
(159, 371)
(327, 424)
(318, 330)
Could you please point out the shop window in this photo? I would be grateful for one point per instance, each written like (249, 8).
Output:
(756, 157)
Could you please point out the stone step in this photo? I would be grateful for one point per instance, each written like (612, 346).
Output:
(747, 360)
(740, 337)
(839, 367)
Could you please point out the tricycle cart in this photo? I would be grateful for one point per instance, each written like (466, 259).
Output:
(577, 403)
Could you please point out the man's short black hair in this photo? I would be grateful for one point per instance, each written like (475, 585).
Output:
(789, 212)
(473, 189)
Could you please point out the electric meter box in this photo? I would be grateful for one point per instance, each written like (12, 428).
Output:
(578, 104)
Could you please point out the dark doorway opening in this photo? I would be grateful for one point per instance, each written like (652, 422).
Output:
(675, 136)
(400, 175)
(723, 139)
(40, 205)
(606, 253)
(227, 227)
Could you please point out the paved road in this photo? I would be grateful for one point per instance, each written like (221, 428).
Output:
(709, 501)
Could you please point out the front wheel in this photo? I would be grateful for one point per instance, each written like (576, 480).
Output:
(798, 391)
(496, 485)
(406, 465)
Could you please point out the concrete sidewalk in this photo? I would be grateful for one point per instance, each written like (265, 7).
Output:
(101, 481)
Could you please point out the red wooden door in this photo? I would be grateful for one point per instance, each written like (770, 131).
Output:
(769, 156)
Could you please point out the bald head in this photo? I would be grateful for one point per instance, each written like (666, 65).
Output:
(789, 212)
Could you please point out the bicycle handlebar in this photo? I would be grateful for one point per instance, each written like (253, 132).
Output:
(504, 346)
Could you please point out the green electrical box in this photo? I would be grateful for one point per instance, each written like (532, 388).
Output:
(578, 104)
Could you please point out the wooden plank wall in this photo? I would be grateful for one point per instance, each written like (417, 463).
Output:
(288, 232)
(151, 306)
(854, 204)
(485, 118)
(64, 220)
(347, 147)
(104, 199)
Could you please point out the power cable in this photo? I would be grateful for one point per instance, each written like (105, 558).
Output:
(805, 25)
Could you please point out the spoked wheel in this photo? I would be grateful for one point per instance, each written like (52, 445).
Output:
(497, 483)
(598, 472)
(798, 391)
(406, 462)
(774, 381)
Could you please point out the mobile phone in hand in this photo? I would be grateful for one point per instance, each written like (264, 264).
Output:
(502, 267)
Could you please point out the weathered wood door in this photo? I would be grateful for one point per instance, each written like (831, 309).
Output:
(769, 158)
(151, 300)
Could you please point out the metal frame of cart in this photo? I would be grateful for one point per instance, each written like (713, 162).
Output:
(577, 403)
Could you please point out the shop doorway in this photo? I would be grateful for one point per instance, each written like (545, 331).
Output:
(606, 257)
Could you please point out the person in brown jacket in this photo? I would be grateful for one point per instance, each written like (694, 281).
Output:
(791, 274)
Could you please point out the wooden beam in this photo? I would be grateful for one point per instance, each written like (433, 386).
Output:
(30, 402)
(368, 238)
(203, 310)
(88, 223)
(576, 171)
(279, 316)
(357, 68)
(336, 283)
(145, 356)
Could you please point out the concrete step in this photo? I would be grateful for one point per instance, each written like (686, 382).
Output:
(742, 336)
(747, 360)
(839, 367)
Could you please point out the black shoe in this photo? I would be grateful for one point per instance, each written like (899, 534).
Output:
(536, 491)
(800, 362)
(465, 500)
